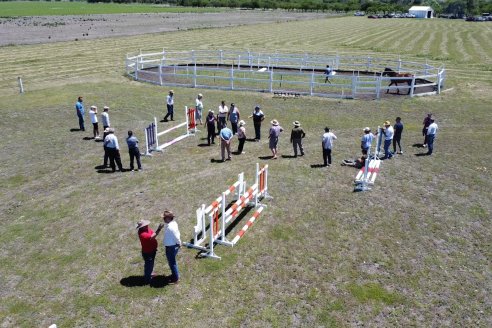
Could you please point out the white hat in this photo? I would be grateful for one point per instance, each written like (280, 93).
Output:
(296, 123)
(367, 129)
(274, 122)
(142, 223)
(200, 95)
(241, 123)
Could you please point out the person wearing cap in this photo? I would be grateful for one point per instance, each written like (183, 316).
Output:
(170, 106)
(388, 133)
(199, 108)
(79, 109)
(431, 135)
(210, 121)
(222, 116)
(366, 140)
(241, 137)
(327, 144)
(273, 135)
(225, 142)
(172, 243)
(258, 117)
(296, 136)
(149, 246)
(398, 128)
(133, 150)
(105, 118)
(426, 123)
(233, 116)
(111, 143)
(95, 125)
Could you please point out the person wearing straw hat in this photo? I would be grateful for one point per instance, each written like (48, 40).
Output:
(199, 108)
(149, 246)
(296, 136)
(388, 133)
(210, 122)
(95, 125)
(274, 133)
(170, 106)
(366, 140)
(327, 144)
(172, 243)
(79, 109)
(241, 137)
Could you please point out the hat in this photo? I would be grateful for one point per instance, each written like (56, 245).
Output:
(200, 95)
(274, 122)
(106, 107)
(167, 214)
(171, 91)
(296, 123)
(93, 107)
(367, 129)
(241, 123)
(142, 223)
(210, 111)
(257, 107)
(387, 123)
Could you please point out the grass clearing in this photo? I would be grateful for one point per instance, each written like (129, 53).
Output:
(413, 252)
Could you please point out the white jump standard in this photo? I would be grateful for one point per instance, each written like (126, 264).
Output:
(219, 216)
(152, 135)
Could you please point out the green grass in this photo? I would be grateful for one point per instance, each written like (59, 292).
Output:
(415, 251)
(42, 8)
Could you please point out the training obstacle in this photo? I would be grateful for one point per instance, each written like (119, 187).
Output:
(368, 174)
(219, 216)
(152, 135)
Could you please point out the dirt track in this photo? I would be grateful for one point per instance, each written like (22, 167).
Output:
(44, 29)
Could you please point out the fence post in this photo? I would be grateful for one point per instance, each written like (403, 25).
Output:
(160, 73)
(412, 86)
(136, 67)
(221, 56)
(239, 62)
(378, 87)
(354, 85)
(311, 84)
(194, 76)
(21, 87)
(232, 77)
(271, 81)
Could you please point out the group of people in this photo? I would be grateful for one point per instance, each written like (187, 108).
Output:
(110, 141)
(171, 242)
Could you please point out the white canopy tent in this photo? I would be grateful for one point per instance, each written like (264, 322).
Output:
(421, 11)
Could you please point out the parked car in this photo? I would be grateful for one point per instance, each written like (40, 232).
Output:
(359, 13)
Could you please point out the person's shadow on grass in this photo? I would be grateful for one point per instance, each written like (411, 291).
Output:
(159, 281)
(75, 130)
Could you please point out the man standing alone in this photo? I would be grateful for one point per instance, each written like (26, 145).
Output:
(79, 108)
(133, 150)
(296, 137)
(170, 106)
(327, 144)
(398, 127)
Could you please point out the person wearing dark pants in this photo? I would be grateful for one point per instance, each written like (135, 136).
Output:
(327, 144)
(398, 129)
(431, 136)
(241, 137)
(222, 116)
(79, 108)
(170, 106)
(258, 117)
(149, 247)
(210, 122)
(296, 137)
(111, 143)
(426, 123)
(106, 152)
(172, 243)
(133, 150)
(233, 116)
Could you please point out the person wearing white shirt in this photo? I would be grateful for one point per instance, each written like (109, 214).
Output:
(388, 132)
(222, 116)
(113, 149)
(95, 126)
(431, 135)
(172, 243)
(199, 108)
(170, 106)
(327, 144)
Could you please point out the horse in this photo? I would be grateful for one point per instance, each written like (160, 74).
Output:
(389, 72)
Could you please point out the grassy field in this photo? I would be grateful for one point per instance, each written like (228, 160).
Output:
(42, 8)
(415, 251)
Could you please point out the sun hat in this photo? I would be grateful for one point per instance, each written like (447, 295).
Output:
(387, 123)
(167, 214)
(93, 107)
(296, 123)
(241, 123)
(171, 91)
(200, 95)
(274, 122)
(367, 129)
(142, 223)
(210, 111)
(106, 107)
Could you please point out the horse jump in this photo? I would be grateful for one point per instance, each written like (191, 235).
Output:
(219, 216)
(152, 135)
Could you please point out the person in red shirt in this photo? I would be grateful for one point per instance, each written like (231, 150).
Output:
(149, 246)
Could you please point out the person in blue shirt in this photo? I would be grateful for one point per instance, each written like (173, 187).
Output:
(366, 140)
(398, 127)
(225, 142)
(79, 108)
(133, 150)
